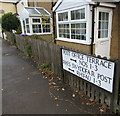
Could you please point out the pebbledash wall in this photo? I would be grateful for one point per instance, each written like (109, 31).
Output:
(115, 38)
(52, 54)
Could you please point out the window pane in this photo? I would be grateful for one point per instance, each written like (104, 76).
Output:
(42, 11)
(27, 21)
(63, 16)
(28, 29)
(36, 20)
(78, 31)
(46, 28)
(36, 28)
(24, 26)
(78, 14)
(103, 25)
(64, 31)
(32, 11)
(46, 20)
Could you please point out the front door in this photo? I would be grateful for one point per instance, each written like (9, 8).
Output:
(103, 32)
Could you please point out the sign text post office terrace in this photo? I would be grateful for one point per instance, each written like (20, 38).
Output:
(97, 71)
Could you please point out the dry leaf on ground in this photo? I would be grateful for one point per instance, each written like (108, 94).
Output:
(73, 95)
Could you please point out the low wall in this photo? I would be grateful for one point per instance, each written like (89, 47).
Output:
(52, 54)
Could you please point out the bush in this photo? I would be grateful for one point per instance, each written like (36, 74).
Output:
(10, 22)
(19, 31)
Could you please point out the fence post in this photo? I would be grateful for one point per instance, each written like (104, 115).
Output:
(114, 100)
(62, 70)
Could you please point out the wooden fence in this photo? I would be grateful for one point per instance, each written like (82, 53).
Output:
(50, 53)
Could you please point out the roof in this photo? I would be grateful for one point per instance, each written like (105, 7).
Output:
(37, 11)
(66, 4)
(9, 1)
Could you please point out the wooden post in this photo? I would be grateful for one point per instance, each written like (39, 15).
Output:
(116, 87)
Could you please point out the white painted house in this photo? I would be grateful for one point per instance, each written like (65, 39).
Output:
(85, 25)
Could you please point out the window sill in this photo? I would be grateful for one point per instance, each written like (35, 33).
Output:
(74, 41)
(39, 33)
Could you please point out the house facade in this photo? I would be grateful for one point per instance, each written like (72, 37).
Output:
(36, 17)
(5, 7)
(88, 26)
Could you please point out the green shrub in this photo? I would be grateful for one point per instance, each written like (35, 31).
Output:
(19, 31)
(10, 22)
(44, 65)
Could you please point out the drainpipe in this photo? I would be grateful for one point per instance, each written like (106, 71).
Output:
(53, 20)
(53, 16)
(93, 25)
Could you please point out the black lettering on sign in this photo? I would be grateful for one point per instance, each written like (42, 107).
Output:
(66, 52)
(66, 63)
(83, 63)
(73, 60)
(70, 69)
(104, 78)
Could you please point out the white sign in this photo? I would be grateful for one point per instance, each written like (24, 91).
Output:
(94, 70)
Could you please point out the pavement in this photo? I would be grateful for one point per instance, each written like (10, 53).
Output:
(26, 91)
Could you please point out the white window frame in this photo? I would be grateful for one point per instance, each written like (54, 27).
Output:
(42, 33)
(107, 10)
(87, 20)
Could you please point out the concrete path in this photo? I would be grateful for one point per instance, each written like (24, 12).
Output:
(26, 92)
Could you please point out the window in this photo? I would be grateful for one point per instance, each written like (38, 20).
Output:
(24, 26)
(27, 25)
(36, 28)
(103, 25)
(63, 16)
(72, 24)
(78, 31)
(41, 25)
(36, 20)
(64, 30)
(78, 14)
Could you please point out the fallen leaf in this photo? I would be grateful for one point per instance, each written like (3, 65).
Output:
(53, 83)
(46, 77)
(82, 103)
(57, 105)
(101, 110)
(73, 95)
(88, 103)
(91, 100)
(56, 98)
(76, 91)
